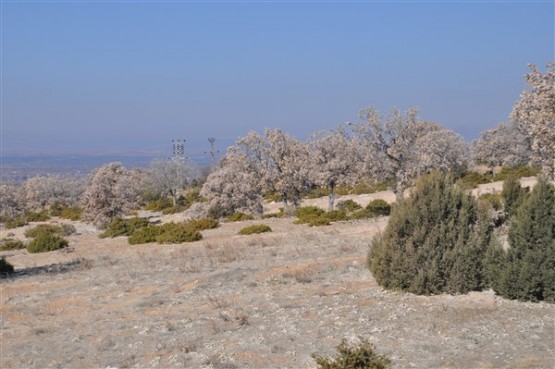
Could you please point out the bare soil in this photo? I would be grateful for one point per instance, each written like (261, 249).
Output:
(263, 301)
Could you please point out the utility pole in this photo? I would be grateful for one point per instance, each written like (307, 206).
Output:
(178, 149)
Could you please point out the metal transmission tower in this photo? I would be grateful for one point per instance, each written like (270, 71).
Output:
(212, 150)
(178, 148)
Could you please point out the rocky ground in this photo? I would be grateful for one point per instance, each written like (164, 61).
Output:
(264, 301)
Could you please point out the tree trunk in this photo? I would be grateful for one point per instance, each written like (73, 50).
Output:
(331, 196)
(284, 199)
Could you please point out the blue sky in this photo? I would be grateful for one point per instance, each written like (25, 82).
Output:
(130, 76)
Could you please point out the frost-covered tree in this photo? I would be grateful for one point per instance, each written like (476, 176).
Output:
(506, 144)
(255, 164)
(111, 191)
(169, 177)
(334, 161)
(44, 191)
(288, 166)
(535, 113)
(400, 147)
(12, 200)
(234, 186)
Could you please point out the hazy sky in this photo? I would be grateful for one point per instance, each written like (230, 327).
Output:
(132, 75)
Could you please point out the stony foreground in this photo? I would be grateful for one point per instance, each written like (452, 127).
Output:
(266, 301)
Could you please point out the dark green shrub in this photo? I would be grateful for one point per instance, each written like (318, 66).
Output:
(43, 229)
(177, 233)
(56, 209)
(362, 214)
(378, 207)
(255, 229)
(40, 216)
(435, 241)
(513, 195)
(348, 205)
(317, 221)
(361, 356)
(124, 227)
(11, 244)
(471, 180)
(526, 271)
(45, 242)
(16, 222)
(202, 224)
(336, 215)
(493, 200)
(238, 217)
(516, 172)
(144, 235)
(309, 212)
(5, 267)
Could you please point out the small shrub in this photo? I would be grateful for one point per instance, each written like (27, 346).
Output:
(144, 235)
(68, 229)
(238, 217)
(335, 215)
(493, 200)
(202, 224)
(11, 244)
(41, 216)
(513, 195)
(379, 207)
(471, 180)
(255, 229)
(46, 242)
(306, 212)
(5, 267)
(218, 212)
(72, 213)
(16, 222)
(526, 271)
(348, 205)
(435, 241)
(273, 197)
(343, 190)
(159, 205)
(361, 356)
(516, 172)
(362, 214)
(43, 229)
(318, 221)
(177, 233)
(124, 227)
(174, 209)
(317, 193)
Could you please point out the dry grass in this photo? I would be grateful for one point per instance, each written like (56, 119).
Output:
(267, 301)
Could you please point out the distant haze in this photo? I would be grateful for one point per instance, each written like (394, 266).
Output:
(123, 77)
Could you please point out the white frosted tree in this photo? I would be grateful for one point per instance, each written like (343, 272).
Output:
(111, 191)
(535, 113)
(234, 186)
(12, 200)
(288, 166)
(169, 177)
(44, 191)
(506, 144)
(400, 147)
(334, 161)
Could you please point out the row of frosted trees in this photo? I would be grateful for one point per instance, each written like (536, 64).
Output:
(394, 148)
